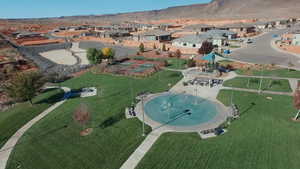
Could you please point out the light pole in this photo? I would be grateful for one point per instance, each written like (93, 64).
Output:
(261, 79)
(143, 125)
(143, 96)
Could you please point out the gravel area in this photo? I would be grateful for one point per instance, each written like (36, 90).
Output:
(48, 66)
(61, 56)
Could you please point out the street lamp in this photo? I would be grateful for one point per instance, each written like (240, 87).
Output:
(143, 96)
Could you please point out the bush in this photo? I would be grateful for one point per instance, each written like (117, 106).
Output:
(142, 48)
(178, 53)
(94, 56)
(191, 63)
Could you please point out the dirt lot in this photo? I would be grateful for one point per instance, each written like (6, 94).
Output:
(62, 56)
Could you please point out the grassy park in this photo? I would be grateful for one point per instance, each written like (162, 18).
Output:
(280, 85)
(14, 118)
(54, 142)
(264, 137)
(175, 63)
(280, 72)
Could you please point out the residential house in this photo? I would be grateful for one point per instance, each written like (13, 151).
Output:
(153, 35)
(190, 41)
(113, 34)
(241, 29)
(230, 35)
(216, 37)
(25, 34)
(281, 23)
(296, 38)
(199, 28)
(260, 25)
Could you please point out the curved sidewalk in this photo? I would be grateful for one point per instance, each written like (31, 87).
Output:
(6, 150)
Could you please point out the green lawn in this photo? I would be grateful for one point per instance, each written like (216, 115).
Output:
(263, 138)
(54, 142)
(175, 63)
(267, 84)
(14, 118)
(277, 72)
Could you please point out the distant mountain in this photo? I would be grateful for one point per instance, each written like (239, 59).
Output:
(218, 9)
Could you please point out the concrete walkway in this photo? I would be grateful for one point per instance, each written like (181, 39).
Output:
(140, 152)
(256, 91)
(6, 150)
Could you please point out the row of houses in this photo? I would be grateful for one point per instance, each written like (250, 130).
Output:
(216, 37)
(26, 34)
(291, 38)
(128, 26)
(242, 28)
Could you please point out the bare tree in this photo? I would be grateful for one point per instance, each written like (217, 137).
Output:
(81, 115)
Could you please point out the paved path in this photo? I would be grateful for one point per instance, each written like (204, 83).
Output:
(6, 150)
(262, 52)
(140, 152)
(256, 91)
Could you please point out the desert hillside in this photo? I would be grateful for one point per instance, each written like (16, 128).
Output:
(266, 9)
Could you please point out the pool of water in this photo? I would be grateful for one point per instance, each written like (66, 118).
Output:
(180, 110)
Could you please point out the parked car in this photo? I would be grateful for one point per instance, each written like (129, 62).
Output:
(249, 41)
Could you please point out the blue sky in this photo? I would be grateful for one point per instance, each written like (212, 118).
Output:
(51, 8)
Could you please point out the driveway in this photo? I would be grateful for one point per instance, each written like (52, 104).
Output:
(261, 51)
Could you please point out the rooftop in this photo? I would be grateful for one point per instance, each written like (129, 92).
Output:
(156, 33)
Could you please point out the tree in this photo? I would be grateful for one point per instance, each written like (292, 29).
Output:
(94, 56)
(24, 86)
(206, 48)
(108, 53)
(191, 63)
(297, 103)
(142, 48)
(154, 46)
(81, 115)
(178, 56)
(164, 47)
(9, 69)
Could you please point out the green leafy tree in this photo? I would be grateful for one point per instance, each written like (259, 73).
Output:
(24, 86)
(94, 56)
(142, 48)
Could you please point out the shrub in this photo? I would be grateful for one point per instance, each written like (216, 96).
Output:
(191, 63)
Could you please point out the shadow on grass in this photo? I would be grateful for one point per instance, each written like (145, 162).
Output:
(110, 121)
(252, 104)
(52, 99)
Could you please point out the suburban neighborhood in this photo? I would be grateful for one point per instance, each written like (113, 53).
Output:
(193, 86)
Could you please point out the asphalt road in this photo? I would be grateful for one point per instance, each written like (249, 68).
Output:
(261, 51)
